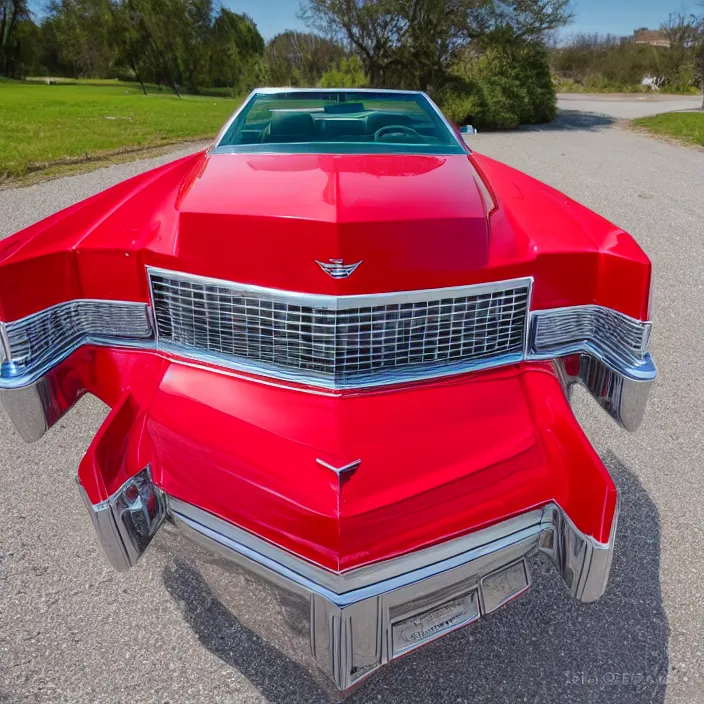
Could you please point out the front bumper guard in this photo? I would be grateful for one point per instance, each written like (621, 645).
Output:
(351, 623)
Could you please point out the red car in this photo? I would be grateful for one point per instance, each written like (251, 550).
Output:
(338, 347)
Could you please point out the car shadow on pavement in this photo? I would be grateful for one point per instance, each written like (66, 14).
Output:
(574, 120)
(542, 648)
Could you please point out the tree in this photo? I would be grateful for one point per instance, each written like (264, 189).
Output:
(682, 32)
(171, 42)
(374, 29)
(699, 55)
(413, 42)
(173, 31)
(82, 32)
(299, 58)
(12, 12)
(30, 49)
(132, 38)
(435, 33)
(236, 51)
(525, 20)
(699, 68)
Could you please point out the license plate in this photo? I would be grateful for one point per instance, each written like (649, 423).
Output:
(435, 622)
(503, 585)
(453, 612)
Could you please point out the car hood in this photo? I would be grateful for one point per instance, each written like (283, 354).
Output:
(412, 220)
(333, 188)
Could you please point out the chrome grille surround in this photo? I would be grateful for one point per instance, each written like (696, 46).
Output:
(612, 336)
(341, 342)
(38, 341)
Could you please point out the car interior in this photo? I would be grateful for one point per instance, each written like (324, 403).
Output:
(340, 122)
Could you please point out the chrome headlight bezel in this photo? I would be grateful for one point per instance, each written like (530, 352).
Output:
(614, 338)
(613, 362)
(32, 345)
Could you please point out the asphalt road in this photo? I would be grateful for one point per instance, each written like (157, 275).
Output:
(72, 630)
(628, 106)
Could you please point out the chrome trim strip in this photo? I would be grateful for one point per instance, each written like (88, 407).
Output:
(36, 375)
(332, 302)
(341, 586)
(361, 582)
(359, 383)
(175, 358)
(4, 344)
(273, 90)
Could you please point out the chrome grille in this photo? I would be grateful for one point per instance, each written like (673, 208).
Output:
(341, 341)
(61, 328)
(616, 336)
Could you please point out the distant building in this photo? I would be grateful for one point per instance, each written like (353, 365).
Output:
(653, 37)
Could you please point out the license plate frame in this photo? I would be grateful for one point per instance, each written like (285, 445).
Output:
(440, 612)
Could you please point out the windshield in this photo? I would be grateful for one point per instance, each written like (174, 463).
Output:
(347, 122)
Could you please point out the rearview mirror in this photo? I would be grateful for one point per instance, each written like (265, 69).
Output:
(467, 129)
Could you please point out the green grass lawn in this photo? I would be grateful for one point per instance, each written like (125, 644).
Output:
(42, 127)
(687, 126)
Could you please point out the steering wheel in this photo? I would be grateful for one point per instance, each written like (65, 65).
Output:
(389, 130)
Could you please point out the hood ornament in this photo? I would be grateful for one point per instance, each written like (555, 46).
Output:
(337, 268)
(340, 470)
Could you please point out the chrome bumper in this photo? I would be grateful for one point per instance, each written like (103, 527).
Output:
(349, 624)
(622, 392)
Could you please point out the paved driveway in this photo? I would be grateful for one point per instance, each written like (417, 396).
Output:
(72, 630)
(628, 106)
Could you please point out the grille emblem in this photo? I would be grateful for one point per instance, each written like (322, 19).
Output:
(337, 268)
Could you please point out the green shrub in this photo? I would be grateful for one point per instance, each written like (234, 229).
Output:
(607, 64)
(620, 61)
(349, 73)
(699, 67)
(461, 103)
(681, 81)
(508, 85)
(596, 83)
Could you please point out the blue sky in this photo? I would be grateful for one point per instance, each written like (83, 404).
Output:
(619, 17)
(604, 16)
